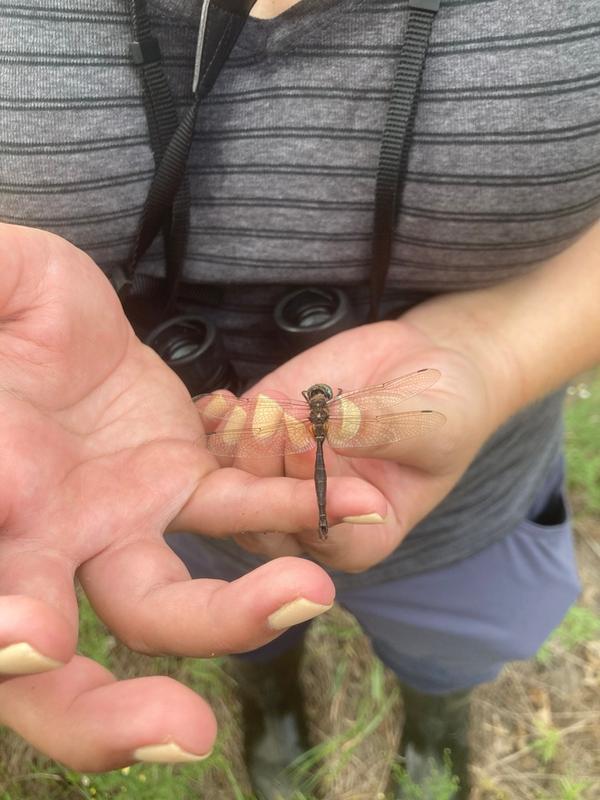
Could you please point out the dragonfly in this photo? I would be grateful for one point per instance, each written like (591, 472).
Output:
(259, 426)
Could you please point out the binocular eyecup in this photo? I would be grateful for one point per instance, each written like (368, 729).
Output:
(308, 316)
(192, 347)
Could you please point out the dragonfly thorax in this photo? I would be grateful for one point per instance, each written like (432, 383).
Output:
(317, 397)
(317, 389)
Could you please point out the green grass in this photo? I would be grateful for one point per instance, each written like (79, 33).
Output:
(580, 625)
(583, 441)
(440, 786)
(320, 764)
(582, 419)
(546, 743)
(567, 789)
(94, 640)
(143, 782)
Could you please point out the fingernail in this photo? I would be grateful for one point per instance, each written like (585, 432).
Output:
(23, 659)
(298, 610)
(365, 519)
(169, 753)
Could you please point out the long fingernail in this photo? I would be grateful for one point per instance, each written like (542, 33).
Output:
(365, 519)
(169, 753)
(298, 610)
(23, 659)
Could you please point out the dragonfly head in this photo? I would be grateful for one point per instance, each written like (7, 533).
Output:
(318, 389)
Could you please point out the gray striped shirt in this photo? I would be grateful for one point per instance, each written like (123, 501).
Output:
(503, 173)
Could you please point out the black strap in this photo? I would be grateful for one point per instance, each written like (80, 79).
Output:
(161, 115)
(395, 144)
(167, 202)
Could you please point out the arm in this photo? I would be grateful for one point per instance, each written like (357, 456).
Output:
(531, 334)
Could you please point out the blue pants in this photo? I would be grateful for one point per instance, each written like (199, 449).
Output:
(455, 626)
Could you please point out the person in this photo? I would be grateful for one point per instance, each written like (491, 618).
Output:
(441, 546)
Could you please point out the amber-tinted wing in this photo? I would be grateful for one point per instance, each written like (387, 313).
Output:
(384, 397)
(260, 407)
(357, 432)
(254, 427)
(260, 426)
(288, 436)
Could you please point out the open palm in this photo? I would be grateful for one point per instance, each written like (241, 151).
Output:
(99, 455)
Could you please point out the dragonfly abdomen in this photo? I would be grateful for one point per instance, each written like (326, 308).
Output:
(321, 486)
(317, 397)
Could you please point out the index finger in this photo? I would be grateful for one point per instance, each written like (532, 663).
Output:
(145, 595)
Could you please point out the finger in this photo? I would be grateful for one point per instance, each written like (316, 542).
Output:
(270, 544)
(411, 437)
(354, 548)
(264, 466)
(275, 544)
(210, 407)
(302, 465)
(100, 724)
(229, 501)
(212, 422)
(145, 596)
(227, 413)
(412, 494)
(38, 611)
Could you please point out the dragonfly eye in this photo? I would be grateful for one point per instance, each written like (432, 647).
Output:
(320, 388)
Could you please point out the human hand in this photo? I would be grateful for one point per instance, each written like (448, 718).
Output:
(99, 455)
(412, 475)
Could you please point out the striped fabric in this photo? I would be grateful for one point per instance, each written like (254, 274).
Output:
(504, 172)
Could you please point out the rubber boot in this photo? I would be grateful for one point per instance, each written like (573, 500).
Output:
(275, 727)
(434, 742)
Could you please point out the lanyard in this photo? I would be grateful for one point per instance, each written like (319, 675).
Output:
(396, 141)
(167, 205)
(168, 200)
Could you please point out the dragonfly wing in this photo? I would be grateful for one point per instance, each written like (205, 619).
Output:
(356, 432)
(378, 398)
(220, 405)
(288, 436)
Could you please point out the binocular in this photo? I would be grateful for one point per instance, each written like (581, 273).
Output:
(192, 347)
